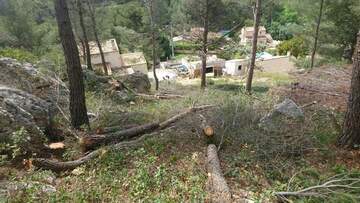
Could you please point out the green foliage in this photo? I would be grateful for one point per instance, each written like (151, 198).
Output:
(19, 54)
(185, 45)
(342, 25)
(16, 146)
(295, 46)
(282, 21)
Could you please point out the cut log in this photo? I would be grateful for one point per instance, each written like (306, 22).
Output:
(69, 165)
(217, 186)
(206, 128)
(93, 141)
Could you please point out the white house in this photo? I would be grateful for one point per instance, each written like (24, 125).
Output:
(134, 61)
(276, 64)
(111, 54)
(115, 62)
(236, 67)
(247, 34)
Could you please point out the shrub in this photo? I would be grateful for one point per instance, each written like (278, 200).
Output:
(184, 45)
(18, 54)
(296, 46)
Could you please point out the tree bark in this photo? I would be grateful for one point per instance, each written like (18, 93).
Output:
(153, 41)
(83, 48)
(257, 16)
(217, 186)
(93, 20)
(205, 44)
(87, 53)
(351, 128)
(316, 35)
(78, 109)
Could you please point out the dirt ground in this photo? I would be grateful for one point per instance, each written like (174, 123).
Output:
(328, 86)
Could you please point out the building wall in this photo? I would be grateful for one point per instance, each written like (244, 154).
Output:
(232, 67)
(281, 64)
(141, 67)
(113, 58)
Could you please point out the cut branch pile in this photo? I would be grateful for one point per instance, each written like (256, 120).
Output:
(115, 139)
(217, 186)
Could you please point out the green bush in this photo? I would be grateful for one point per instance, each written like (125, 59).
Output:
(18, 54)
(184, 45)
(296, 46)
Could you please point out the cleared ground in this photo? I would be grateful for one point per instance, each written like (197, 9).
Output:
(169, 167)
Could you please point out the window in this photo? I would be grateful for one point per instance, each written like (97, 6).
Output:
(239, 67)
(209, 69)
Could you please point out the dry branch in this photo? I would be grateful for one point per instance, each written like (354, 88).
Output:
(219, 190)
(159, 96)
(330, 185)
(67, 165)
(129, 133)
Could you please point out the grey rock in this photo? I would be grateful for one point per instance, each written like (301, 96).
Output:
(25, 77)
(14, 187)
(281, 112)
(137, 81)
(21, 109)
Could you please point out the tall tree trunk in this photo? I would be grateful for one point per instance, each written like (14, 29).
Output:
(78, 109)
(87, 54)
(93, 20)
(83, 49)
(317, 34)
(205, 44)
(257, 16)
(153, 41)
(351, 131)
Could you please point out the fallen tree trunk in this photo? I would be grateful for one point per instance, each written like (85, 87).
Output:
(58, 166)
(159, 96)
(217, 186)
(93, 141)
(113, 129)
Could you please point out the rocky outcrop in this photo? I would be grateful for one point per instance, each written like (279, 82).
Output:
(285, 111)
(23, 109)
(27, 78)
(27, 103)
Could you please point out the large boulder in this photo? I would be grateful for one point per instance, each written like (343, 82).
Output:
(137, 81)
(26, 77)
(28, 101)
(19, 109)
(286, 111)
